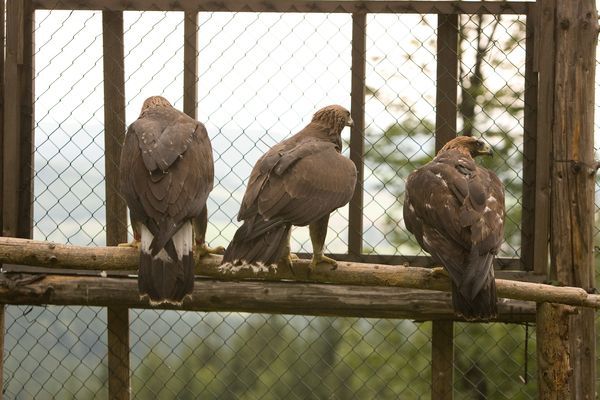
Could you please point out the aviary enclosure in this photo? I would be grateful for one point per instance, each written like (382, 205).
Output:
(414, 74)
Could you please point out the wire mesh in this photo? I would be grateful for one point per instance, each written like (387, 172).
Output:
(261, 76)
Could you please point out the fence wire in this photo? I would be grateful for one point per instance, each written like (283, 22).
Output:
(261, 76)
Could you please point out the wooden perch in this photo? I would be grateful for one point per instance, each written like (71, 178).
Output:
(52, 255)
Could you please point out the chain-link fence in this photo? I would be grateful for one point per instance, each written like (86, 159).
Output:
(261, 76)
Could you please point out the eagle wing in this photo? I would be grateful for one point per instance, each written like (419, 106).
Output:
(299, 183)
(166, 171)
(455, 209)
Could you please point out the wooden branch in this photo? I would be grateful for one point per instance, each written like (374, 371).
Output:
(46, 254)
(250, 296)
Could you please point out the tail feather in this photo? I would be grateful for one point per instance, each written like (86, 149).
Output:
(483, 306)
(250, 247)
(164, 279)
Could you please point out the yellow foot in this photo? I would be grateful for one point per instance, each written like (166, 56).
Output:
(439, 272)
(316, 260)
(203, 250)
(135, 244)
(288, 262)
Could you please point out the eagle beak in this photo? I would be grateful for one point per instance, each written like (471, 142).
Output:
(486, 151)
(350, 122)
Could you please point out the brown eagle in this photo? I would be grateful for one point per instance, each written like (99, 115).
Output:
(166, 174)
(299, 181)
(455, 209)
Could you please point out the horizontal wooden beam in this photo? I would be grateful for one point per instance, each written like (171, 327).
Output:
(46, 254)
(303, 6)
(249, 296)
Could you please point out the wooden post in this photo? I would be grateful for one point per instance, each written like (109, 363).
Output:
(116, 210)
(18, 122)
(544, 65)
(357, 139)
(190, 64)
(573, 176)
(442, 359)
(2, 326)
(446, 80)
(554, 363)
(529, 147)
(442, 351)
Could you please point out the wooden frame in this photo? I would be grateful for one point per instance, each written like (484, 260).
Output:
(544, 137)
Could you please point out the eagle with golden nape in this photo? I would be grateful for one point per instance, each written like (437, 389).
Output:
(299, 181)
(455, 209)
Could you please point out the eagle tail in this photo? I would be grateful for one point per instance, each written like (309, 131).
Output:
(168, 276)
(476, 298)
(257, 242)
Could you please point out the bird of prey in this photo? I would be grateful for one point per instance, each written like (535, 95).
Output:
(166, 174)
(299, 181)
(455, 209)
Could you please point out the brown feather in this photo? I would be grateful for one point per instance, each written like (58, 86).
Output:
(455, 209)
(297, 182)
(166, 174)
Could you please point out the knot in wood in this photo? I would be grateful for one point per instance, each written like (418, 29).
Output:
(564, 24)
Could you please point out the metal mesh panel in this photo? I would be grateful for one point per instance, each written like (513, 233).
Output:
(261, 76)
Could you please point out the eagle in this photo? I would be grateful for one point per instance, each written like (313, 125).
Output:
(455, 209)
(166, 175)
(299, 181)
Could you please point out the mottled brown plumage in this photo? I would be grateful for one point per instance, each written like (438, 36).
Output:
(299, 181)
(166, 174)
(455, 209)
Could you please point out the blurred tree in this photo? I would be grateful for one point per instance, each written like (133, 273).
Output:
(494, 112)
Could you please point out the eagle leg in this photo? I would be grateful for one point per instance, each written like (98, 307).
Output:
(137, 238)
(437, 272)
(318, 232)
(287, 259)
(200, 223)
(202, 249)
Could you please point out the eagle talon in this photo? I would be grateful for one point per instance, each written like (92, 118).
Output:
(287, 261)
(134, 243)
(437, 272)
(203, 249)
(316, 260)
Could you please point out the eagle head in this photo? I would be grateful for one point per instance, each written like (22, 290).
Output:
(155, 101)
(334, 117)
(468, 145)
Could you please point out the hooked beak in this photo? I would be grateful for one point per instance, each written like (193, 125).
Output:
(350, 122)
(486, 151)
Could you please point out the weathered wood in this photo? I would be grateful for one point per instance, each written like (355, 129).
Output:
(2, 330)
(529, 145)
(415, 261)
(442, 350)
(190, 64)
(357, 140)
(442, 360)
(116, 209)
(446, 80)
(249, 296)
(114, 124)
(552, 341)
(26, 125)
(45, 254)
(118, 352)
(306, 6)
(2, 307)
(544, 65)
(573, 175)
(12, 121)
